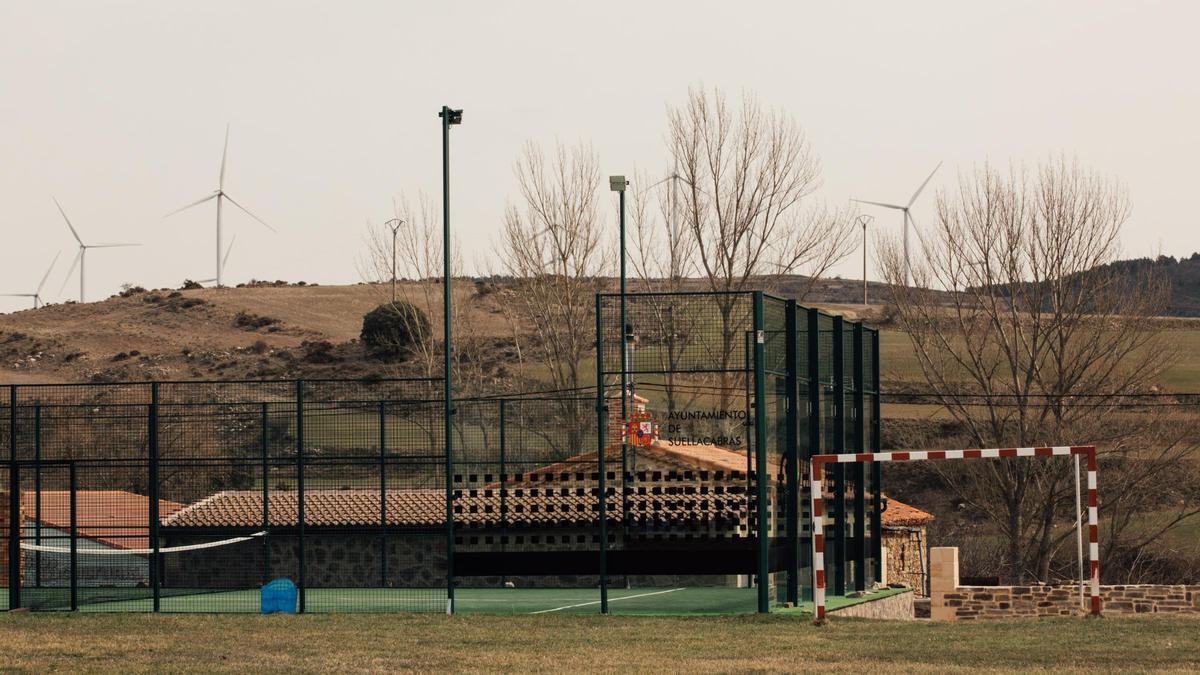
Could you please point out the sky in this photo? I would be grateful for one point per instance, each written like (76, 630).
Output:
(119, 110)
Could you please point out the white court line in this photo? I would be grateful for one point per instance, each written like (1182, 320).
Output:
(596, 602)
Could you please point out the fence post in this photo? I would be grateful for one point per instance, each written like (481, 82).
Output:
(383, 493)
(760, 454)
(264, 445)
(839, 447)
(876, 467)
(601, 427)
(503, 491)
(14, 506)
(72, 481)
(300, 585)
(792, 491)
(152, 433)
(814, 405)
(37, 492)
(860, 468)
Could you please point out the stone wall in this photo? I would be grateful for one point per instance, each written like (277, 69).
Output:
(951, 602)
(905, 556)
(898, 607)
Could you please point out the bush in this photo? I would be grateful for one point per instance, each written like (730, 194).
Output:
(250, 321)
(392, 328)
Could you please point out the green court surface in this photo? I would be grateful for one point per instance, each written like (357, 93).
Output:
(646, 601)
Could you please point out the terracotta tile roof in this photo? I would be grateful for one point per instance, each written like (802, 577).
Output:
(553, 504)
(115, 518)
(899, 514)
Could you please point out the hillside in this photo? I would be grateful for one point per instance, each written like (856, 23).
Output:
(266, 331)
(282, 331)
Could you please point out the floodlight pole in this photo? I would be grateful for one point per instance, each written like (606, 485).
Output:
(395, 229)
(618, 184)
(449, 117)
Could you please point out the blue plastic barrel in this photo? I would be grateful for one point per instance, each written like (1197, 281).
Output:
(278, 595)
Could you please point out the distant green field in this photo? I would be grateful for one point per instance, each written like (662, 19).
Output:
(898, 363)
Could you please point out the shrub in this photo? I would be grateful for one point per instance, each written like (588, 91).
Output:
(250, 321)
(189, 285)
(392, 328)
(318, 351)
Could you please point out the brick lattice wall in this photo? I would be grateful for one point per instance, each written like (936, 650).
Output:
(951, 602)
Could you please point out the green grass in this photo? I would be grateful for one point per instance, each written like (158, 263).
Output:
(558, 643)
(898, 363)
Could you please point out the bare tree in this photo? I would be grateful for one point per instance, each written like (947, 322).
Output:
(1025, 341)
(663, 258)
(418, 264)
(749, 173)
(552, 246)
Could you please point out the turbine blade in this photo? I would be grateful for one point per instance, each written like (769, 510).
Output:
(47, 275)
(71, 271)
(264, 223)
(111, 245)
(886, 206)
(224, 154)
(17, 295)
(185, 208)
(64, 215)
(918, 192)
(225, 260)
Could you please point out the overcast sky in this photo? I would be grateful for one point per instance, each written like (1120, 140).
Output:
(119, 109)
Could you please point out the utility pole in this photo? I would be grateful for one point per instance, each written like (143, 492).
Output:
(864, 220)
(395, 229)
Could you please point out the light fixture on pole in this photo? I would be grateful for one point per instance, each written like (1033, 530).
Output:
(449, 118)
(618, 184)
(394, 224)
(865, 220)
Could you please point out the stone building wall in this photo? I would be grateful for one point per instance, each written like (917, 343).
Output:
(951, 602)
(905, 555)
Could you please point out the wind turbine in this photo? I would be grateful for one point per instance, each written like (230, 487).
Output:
(36, 295)
(80, 258)
(907, 216)
(219, 194)
(224, 261)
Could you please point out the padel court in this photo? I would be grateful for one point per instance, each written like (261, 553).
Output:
(647, 601)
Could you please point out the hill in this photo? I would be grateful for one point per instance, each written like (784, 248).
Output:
(281, 330)
(258, 331)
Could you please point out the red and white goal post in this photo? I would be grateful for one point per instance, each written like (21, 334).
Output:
(817, 503)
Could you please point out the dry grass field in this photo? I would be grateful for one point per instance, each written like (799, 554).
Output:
(355, 643)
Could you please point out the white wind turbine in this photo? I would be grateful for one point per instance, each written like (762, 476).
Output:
(36, 295)
(907, 216)
(81, 257)
(224, 261)
(219, 194)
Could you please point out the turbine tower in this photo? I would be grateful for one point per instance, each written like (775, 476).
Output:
(81, 257)
(36, 295)
(220, 195)
(907, 216)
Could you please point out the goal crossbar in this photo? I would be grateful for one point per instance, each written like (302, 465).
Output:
(817, 502)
